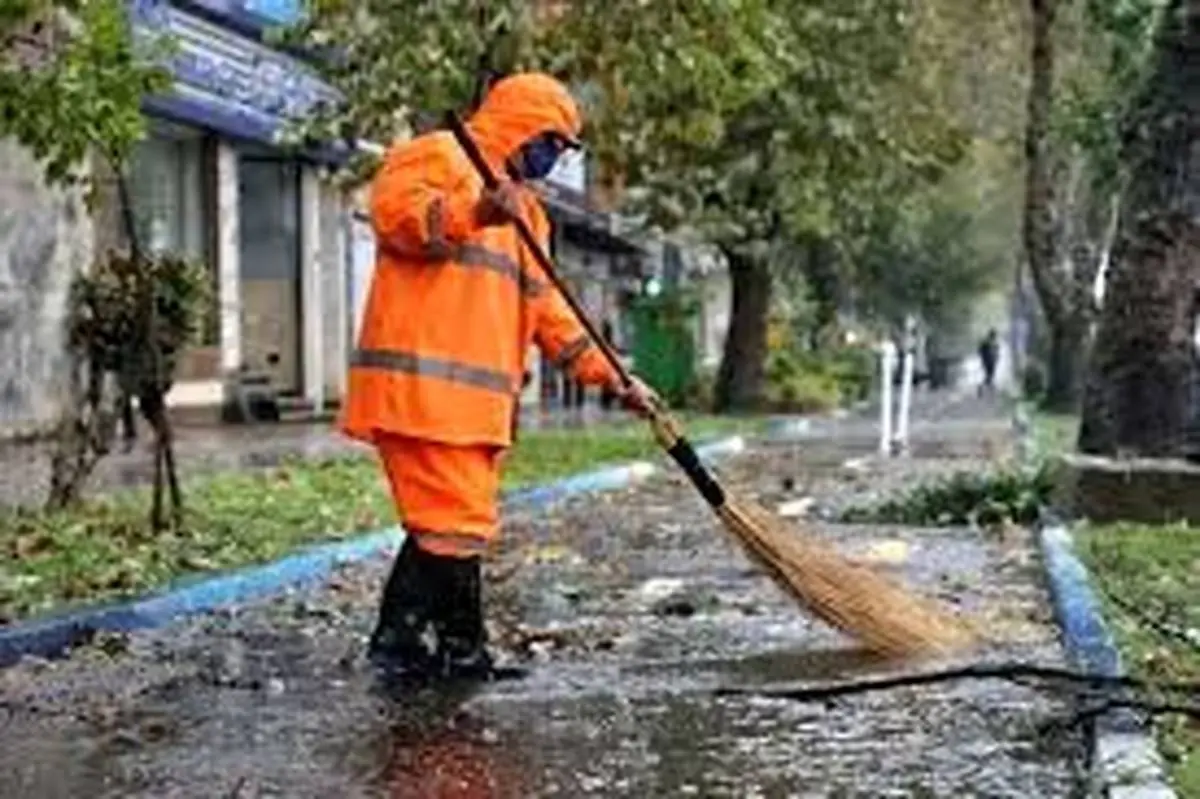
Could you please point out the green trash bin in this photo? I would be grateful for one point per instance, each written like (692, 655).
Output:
(664, 349)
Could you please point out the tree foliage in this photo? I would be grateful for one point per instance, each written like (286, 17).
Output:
(926, 261)
(649, 75)
(72, 80)
(761, 125)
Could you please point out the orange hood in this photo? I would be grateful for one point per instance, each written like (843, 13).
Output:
(517, 109)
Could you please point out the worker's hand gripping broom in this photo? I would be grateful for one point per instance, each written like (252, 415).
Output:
(851, 597)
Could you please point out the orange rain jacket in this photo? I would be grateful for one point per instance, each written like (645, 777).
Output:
(442, 348)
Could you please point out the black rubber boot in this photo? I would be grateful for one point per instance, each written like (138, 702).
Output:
(462, 636)
(399, 645)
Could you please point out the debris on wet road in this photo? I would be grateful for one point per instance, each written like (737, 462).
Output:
(631, 608)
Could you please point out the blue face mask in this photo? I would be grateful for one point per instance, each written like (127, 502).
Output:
(538, 157)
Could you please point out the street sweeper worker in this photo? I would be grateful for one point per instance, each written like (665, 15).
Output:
(455, 303)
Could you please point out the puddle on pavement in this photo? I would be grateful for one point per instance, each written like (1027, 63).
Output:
(567, 731)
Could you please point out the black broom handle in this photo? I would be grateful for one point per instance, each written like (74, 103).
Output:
(665, 428)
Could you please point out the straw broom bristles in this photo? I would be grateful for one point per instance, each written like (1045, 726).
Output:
(851, 597)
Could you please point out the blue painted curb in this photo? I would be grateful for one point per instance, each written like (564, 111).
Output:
(52, 635)
(1123, 758)
(599, 480)
(1088, 641)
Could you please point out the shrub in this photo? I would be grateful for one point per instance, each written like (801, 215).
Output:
(810, 382)
(1033, 381)
(855, 371)
(965, 498)
(804, 392)
(700, 391)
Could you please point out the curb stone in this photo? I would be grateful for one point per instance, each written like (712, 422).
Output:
(50, 636)
(1123, 759)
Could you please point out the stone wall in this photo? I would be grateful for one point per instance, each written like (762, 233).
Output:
(1108, 490)
(44, 236)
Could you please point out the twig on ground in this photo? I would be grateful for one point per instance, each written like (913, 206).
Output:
(1092, 711)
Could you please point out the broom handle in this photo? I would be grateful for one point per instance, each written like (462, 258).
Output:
(489, 179)
(667, 431)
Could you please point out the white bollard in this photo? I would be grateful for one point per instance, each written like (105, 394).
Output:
(887, 370)
(906, 384)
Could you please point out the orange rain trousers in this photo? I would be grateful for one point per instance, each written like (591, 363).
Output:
(446, 495)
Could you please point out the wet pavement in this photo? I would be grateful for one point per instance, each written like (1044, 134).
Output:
(630, 608)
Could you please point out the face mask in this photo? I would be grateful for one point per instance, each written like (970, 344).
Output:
(538, 158)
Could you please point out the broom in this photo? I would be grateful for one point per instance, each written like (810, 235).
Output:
(846, 595)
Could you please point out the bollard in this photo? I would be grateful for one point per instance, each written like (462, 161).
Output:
(887, 370)
(906, 384)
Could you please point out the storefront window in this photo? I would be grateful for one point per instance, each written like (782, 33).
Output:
(171, 208)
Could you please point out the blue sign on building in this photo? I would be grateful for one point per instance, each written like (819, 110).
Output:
(248, 13)
(280, 12)
(225, 81)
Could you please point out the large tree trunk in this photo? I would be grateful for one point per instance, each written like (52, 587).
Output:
(1138, 402)
(1041, 249)
(1065, 365)
(740, 378)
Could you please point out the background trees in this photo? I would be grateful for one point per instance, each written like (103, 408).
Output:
(763, 126)
(1140, 389)
(72, 81)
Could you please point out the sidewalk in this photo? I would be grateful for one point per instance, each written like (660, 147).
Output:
(631, 608)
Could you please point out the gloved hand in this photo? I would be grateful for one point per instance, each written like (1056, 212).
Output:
(638, 397)
(499, 206)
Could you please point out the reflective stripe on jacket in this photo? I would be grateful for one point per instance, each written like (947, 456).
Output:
(441, 351)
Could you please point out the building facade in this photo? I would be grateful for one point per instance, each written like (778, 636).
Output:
(291, 256)
(211, 181)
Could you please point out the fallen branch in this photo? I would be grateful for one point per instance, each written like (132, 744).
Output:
(1023, 673)
(1147, 707)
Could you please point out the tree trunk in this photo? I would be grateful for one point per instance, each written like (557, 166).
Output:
(1038, 228)
(1038, 218)
(1139, 403)
(1065, 365)
(85, 430)
(740, 378)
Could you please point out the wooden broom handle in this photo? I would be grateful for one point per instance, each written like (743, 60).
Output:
(489, 179)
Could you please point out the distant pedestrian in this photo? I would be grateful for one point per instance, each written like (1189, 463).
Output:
(989, 354)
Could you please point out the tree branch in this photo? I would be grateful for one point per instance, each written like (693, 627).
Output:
(1022, 673)
(1092, 711)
